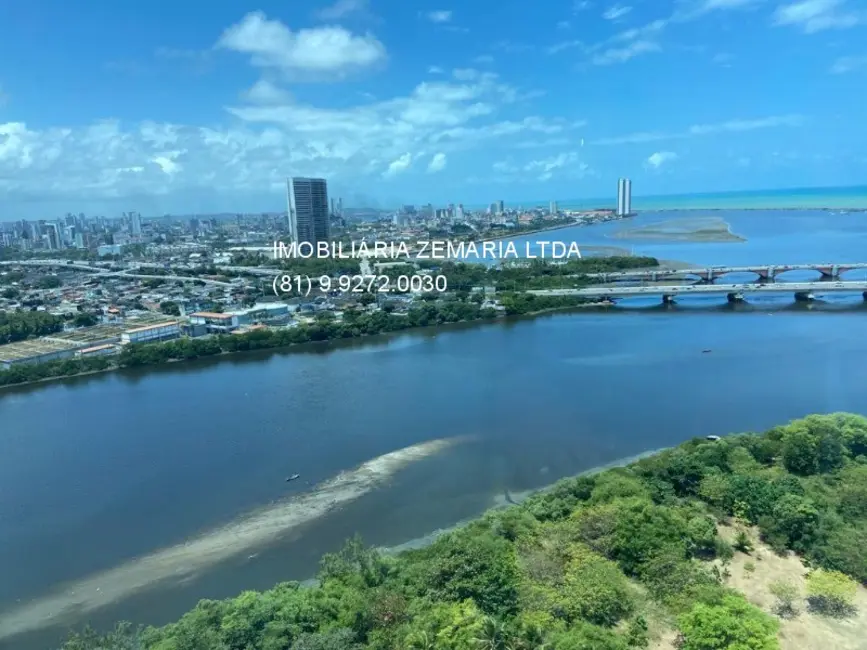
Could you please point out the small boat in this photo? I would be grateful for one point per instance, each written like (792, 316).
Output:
(712, 438)
(706, 351)
(293, 477)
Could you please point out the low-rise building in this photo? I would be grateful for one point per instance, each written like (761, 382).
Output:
(97, 351)
(214, 321)
(151, 333)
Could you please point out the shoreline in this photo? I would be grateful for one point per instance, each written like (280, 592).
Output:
(510, 499)
(295, 346)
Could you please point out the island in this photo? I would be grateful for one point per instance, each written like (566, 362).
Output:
(752, 541)
(690, 229)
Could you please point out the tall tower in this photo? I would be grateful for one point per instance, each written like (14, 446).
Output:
(624, 197)
(308, 210)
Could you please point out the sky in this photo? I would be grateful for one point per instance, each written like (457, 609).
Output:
(181, 107)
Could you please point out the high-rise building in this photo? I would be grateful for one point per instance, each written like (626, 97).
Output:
(624, 197)
(553, 209)
(500, 207)
(52, 236)
(135, 224)
(308, 210)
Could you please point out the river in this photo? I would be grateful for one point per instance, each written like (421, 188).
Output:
(103, 479)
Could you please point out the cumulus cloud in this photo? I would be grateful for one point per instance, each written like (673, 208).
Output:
(441, 16)
(656, 160)
(265, 92)
(270, 137)
(437, 163)
(322, 52)
(398, 166)
(817, 15)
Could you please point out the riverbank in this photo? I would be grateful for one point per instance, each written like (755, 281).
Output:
(114, 364)
(693, 230)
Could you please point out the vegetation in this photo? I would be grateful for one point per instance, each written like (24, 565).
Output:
(831, 592)
(599, 562)
(17, 326)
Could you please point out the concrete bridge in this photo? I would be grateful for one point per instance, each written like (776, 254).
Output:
(804, 291)
(827, 271)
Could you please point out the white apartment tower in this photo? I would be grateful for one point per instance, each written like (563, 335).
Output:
(308, 210)
(624, 197)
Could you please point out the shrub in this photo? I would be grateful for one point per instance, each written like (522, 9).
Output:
(831, 593)
(733, 624)
(787, 594)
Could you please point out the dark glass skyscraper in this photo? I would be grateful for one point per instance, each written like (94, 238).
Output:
(308, 210)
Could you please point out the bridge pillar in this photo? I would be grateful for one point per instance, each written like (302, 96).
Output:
(667, 299)
(831, 272)
(804, 296)
(735, 297)
(653, 276)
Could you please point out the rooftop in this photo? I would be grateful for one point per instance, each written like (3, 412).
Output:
(33, 348)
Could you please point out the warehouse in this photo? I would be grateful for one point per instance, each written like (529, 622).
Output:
(151, 333)
(35, 351)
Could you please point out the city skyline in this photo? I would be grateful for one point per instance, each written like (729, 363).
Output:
(396, 103)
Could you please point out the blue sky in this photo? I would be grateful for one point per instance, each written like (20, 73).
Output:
(180, 107)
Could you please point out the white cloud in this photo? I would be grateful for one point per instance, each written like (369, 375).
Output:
(265, 92)
(439, 16)
(437, 163)
(435, 69)
(546, 167)
(581, 5)
(723, 59)
(710, 5)
(817, 15)
(269, 137)
(398, 166)
(623, 54)
(656, 160)
(747, 125)
(341, 8)
(615, 12)
(849, 64)
(483, 59)
(564, 24)
(308, 53)
(731, 126)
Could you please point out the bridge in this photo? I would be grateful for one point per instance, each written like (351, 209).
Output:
(827, 271)
(804, 291)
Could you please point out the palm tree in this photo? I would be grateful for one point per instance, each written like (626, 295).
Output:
(421, 641)
(492, 635)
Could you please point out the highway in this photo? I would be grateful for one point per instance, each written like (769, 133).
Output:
(108, 273)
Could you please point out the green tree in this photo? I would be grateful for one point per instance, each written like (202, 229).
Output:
(733, 625)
